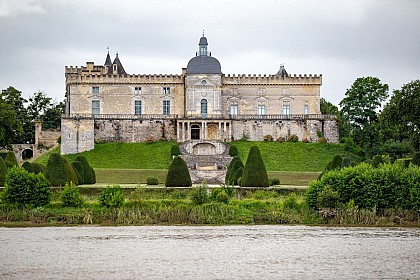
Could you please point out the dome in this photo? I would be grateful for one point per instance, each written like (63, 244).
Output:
(204, 65)
(203, 41)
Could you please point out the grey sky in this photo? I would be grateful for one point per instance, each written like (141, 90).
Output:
(342, 40)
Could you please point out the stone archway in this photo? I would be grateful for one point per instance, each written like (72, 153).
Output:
(27, 154)
(212, 132)
(204, 149)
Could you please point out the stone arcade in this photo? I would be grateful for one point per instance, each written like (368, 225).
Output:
(201, 105)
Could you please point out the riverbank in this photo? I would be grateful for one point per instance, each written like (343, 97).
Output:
(176, 207)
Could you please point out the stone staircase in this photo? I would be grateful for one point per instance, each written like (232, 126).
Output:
(206, 159)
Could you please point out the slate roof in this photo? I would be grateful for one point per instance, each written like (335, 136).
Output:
(204, 65)
(108, 60)
(120, 68)
(203, 41)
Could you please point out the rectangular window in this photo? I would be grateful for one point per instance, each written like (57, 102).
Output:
(166, 90)
(166, 107)
(137, 90)
(286, 109)
(234, 108)
(95, 90)
(261, 108)
(306, 109)
(96, 107)
(137, 107)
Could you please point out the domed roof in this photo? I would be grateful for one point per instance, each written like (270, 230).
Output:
(203, 41)
(204, 65)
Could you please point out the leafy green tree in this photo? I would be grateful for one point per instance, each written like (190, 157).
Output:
(401, 114)
(360, 109)
(51, 119)
(254, 174)
(10, 127)
(178, 174)
(14, 98)
(39, 103)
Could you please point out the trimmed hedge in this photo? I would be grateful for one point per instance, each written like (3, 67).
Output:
(229, 169)
(78, 168)
(152, 181)
(26, 189)
(236, 172)
(28, 167)
(3, 171)
(70, 173)
(88, 176)
(175, 151)
(178, 174)
(38, 168)
(233, 150)
(3, 155)
(388, 186)
(255, 174)
(11, 157)
(55, 171)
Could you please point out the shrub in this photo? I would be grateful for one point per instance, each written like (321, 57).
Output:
(24, 188)
(306, 140)
(416, 159)
(111, 197)
(199, 194)
(268, 138)
(88, 176)
(175, 151)
(178, 174)
(11, 157)
(70, 173)
(55, 171)
(275, 182)
(291, 201)
(346, 162)
(233, 150)
(281, 139)
(3, 171)
(293, 138)
(229, 170)
(327, 198)
(322, 140)
(70, 196)
(9, 164)
(403, 162)
(235, 176)
(222, 197)
(240, 181)
(3, 155)
(38, 168)
(254, 174)
(376, 160)
(78, 169)
(336, 162)
(28, 167)
(93, 174)
(234, 173)
(152, 181)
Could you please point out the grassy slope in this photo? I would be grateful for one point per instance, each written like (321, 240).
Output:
(293, 163)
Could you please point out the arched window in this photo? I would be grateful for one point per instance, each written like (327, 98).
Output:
(203, 107)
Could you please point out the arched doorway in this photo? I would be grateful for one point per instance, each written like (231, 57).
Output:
(203, 108)
(27, 154)
(195, 132)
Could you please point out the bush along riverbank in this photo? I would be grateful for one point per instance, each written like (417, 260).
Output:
(198, 205)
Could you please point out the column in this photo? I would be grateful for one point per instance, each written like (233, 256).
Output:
(230, 132)
(188, 130)
(178, 125)
(219, 132)
(205, 130)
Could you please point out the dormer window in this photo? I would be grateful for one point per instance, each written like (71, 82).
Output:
(166, 90)
(95, 90)
(137, 90)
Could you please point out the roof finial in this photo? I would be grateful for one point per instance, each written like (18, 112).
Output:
(107, 49)
(203, 32)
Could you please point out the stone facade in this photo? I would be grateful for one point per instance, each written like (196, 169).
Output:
(107, 104)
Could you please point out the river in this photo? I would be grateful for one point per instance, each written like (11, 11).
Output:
(209, 252)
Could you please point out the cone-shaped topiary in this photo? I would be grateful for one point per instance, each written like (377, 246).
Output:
(11, 157)
(178, 174)
(236, 165)
(229, 169)
(235, 176)
(175, 151)
(38, 168)
(336, 162)
(255, 174)
(3, 171)
(346, 162)
(93, 178)
(416, 159)
(78, 168)
(88, 177)
(28, 167)
(70, 173)
(233, 150)
(55, 171)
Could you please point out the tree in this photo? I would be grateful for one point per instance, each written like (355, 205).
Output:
(39, 103)
(178, 174)
(360, 109)
(51, 119)
(401, 115)
(10, 127)
(254, 174)
(11, 157)
(14, 98)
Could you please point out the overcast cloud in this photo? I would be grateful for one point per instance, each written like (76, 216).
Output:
(342, 40)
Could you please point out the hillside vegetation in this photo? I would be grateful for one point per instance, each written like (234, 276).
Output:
(292, 157)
